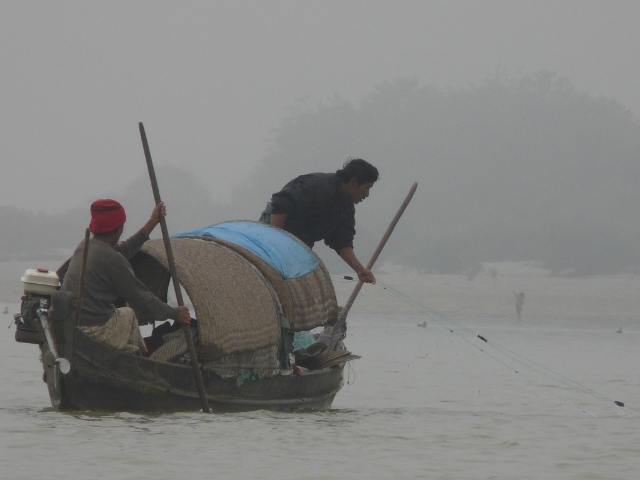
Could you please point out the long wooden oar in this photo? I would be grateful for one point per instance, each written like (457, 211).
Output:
(338, 328)
(70, 331)
(83, 271)
(174, 274)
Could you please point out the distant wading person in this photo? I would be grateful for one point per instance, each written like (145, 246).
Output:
(321, 206)
(519, 304)
(109, 275)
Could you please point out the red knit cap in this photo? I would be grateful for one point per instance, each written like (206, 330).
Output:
(106, 215)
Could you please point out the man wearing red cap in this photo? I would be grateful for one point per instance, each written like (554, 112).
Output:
(109, 275)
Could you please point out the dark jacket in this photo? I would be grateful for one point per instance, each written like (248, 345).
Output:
(317, 209)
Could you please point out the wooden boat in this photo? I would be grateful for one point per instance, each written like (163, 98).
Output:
(102, 379)
(247, 316)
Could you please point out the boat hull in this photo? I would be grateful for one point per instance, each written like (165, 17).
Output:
(107, 380)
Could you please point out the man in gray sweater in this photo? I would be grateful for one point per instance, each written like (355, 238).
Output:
(109, 275)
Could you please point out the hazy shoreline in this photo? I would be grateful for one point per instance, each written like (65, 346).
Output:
(12, 271)
(610, 298)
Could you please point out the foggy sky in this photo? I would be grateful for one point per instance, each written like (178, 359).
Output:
(212, 80)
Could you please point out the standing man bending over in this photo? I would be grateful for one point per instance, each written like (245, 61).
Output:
(109, 275)
(321, 206)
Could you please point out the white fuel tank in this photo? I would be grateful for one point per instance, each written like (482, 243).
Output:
(40, 281)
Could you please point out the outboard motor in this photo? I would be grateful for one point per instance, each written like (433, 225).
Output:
(38, 285)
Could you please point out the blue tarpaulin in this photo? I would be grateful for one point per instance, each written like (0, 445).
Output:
(278, 249)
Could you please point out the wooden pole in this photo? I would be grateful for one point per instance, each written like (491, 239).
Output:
(338, 327)
(69, 329)
(174, 274)
(83, 269)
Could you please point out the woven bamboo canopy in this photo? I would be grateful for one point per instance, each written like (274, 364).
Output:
(241, 302)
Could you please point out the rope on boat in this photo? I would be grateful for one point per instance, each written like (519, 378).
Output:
(459, 328)
(350, 371)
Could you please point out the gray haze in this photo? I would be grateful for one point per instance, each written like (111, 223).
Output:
(212, 80)
(519, 121)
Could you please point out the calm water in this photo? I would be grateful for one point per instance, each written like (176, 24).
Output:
(421, 403)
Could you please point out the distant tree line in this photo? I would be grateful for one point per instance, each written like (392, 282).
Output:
(36, 235)
(29, 235)
(511, 170)
(515, 169)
